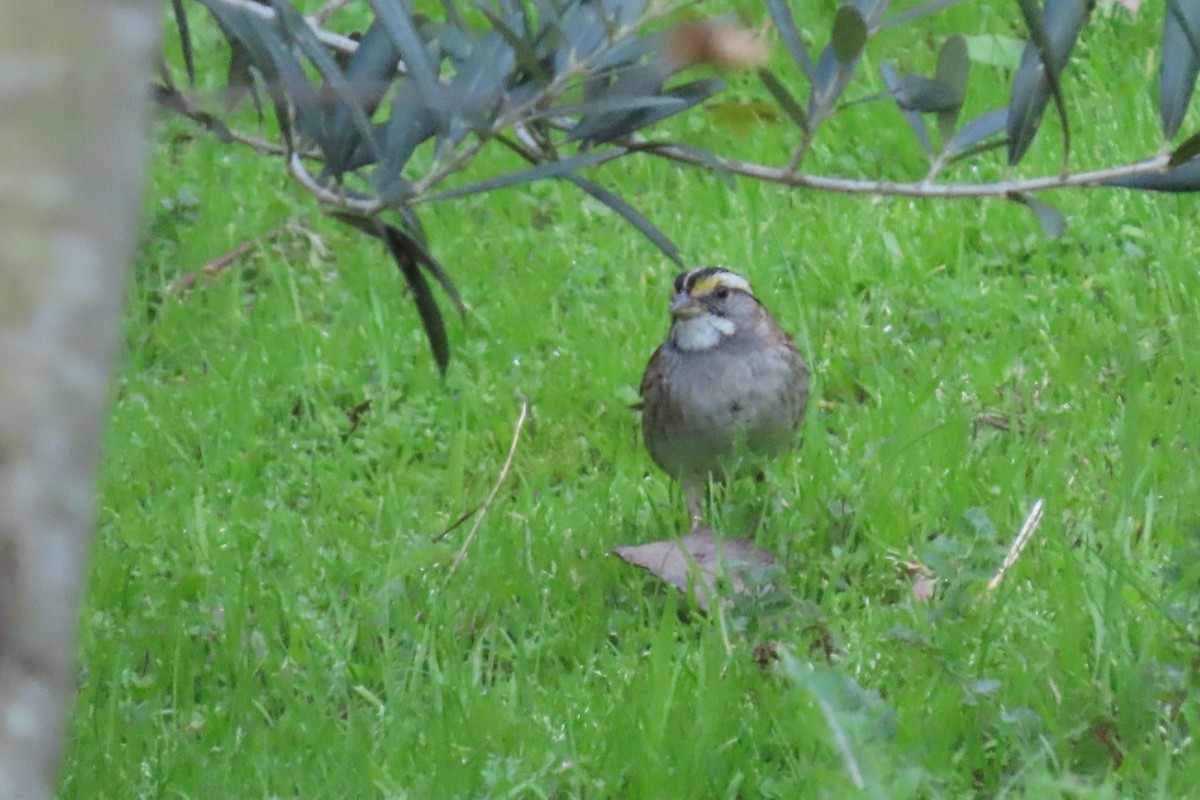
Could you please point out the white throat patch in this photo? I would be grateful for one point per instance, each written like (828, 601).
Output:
(703, 332)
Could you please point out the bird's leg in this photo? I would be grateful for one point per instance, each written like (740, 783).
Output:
(693, 491)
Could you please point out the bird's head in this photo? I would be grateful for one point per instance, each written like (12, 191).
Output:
(710, 304)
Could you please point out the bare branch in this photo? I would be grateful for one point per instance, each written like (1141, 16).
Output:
(326, 11)
(1078, 180)
(335, 41)
(329, 196)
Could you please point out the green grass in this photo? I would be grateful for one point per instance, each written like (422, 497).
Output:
(271, 612)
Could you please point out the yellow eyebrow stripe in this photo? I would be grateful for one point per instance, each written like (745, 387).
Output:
(714, 282)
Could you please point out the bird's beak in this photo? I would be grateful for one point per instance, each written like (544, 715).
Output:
(684, 307)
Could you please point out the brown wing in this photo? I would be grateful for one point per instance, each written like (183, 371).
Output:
(652, 375)
(800, 384)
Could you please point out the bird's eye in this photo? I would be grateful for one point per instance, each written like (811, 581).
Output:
(721, 293)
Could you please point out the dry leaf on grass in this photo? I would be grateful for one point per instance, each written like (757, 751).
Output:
(699, 560)
(924, 582)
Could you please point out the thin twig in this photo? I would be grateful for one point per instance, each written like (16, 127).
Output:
(1014, 551)
(343, 44)
(512, 450)
(459, 520)
(222, 262)
(357, 205)
(326, 11)
(1093, 178)
(168, 96)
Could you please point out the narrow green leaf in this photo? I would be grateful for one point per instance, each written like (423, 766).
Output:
(707, 160)
(688, 95)
(872, 12)
(978, 129)
(609, 104)
(238, 81)
(375, 60)
(185, 41)
(630, 11)
(784, 98)
(914, 119)
(246, 52)
(409, 124)
(631, 215)
(371, 71)
(1180, 63)
(478, 87)
(172, 100)
(301, 95)
(397, 21)
(1064, 19)
(918, 93)
(416, 233)
(582, 32)
(488, 66)
(1184, 178)
(524, 49)
(1052, 37)
(284, 80)
(1186, 151)
(1026, 104)
(348, 97)
(408, 248)
(974, 150)
(1048, 216)
(849, 34)
(401, 248)
(785, 23)
(636, 81)
(553, 169)
(953, 70)
(837, 62)
(453, 15)
(628, 53)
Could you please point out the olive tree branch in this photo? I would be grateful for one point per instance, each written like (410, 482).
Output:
(924, 188)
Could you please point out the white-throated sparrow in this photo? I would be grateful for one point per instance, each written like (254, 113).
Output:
(727, 377)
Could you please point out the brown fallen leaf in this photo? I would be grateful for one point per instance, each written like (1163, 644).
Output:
(924, 582)
(699, 560)
(923, 588)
